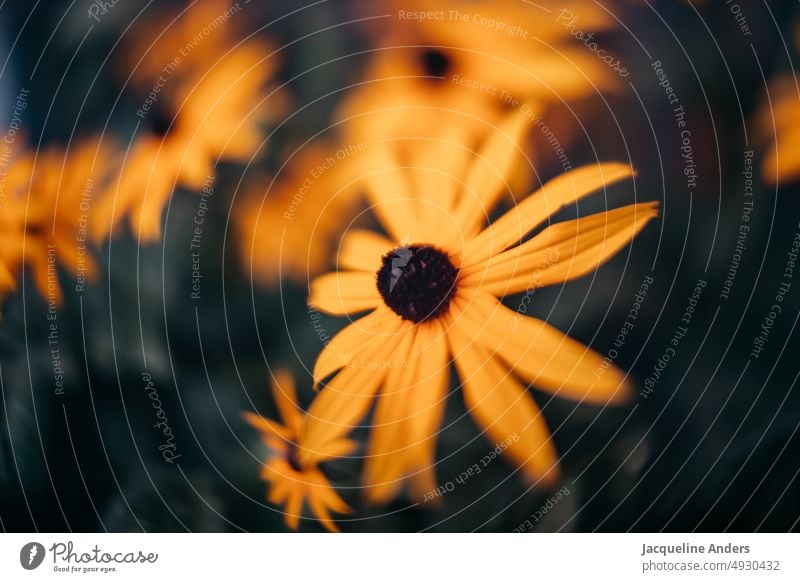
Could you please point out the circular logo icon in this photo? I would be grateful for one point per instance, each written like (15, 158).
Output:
(31, 555)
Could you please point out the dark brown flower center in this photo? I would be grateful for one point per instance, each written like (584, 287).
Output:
(160, 121)
(292, 457)
(417, 282)
(434, 62)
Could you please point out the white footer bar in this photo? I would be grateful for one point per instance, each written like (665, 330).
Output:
(389, 557)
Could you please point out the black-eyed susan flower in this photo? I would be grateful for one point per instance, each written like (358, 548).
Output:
(292, 470)
(46, 207)
(432, 287)
(398, 98)
(501, 53)
(448, 76)
(528, 51)
(200, 110)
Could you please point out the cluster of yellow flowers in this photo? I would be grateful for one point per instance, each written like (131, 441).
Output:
(434, 138)
(204, 96)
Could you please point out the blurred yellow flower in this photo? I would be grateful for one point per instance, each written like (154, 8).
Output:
(432, 289)
(206, 104)
(395, 102)
(12, 222)
(292, 470)
(449, 71)
(45, 212)
(780, 121)
(478, 58)
(517, 50)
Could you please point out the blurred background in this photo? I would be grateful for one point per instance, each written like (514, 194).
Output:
(709, 443)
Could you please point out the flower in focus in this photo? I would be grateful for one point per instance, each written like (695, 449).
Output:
(289, 231)
(46, 209)
(295, 479)
(201, 108)
(432, 289)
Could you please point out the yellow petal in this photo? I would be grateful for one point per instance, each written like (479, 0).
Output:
(345, 293)
(441, 165)
(388, 190)
(283, 391)
(332, 449)
(487, 178)
(781, 161)
(38, 261)
(291, 511)
(323, 498)
(427, 402)
(352, 340)
(267, 427)
(513, 423)
(363, 250)
(346, 398)
(562, 252)
(541, 354)
(536, 208)
(322, 489)
(387, 459)
(323, 515)
(589, 242)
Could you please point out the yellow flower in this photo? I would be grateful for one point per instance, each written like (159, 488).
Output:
(200, 111)
(780, 121)
(395, 99)
(530, 51)
(287, 226)
(46, 210)
(499, 53)
(452, 76)
(432, 289)
(12, 223)
(292, 470)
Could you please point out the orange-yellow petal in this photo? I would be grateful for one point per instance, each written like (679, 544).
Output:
(349, 343)
(387, 188)
(347, 397)
(541, 354)
(536, 208)
(323, 499)
(283, 391)
(487, 177)
(363, 250)
(268, 427)
(345, 293)
(504, 409)
(293, 507)
(387, 454)
(562, 252)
